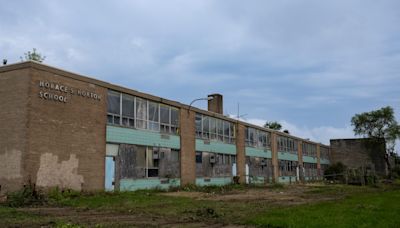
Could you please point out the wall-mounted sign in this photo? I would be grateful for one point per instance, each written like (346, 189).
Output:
(48, 91)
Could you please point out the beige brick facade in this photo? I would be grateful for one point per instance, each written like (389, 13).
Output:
(188, 152)
(241, 153)
(53, 130)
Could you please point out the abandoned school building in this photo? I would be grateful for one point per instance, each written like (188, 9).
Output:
(62, 129)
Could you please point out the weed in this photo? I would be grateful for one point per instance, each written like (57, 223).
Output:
(27, 196)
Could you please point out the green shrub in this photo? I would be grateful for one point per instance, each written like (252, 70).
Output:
(335, 171)
(27, 196)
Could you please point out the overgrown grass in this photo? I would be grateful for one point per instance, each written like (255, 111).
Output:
(367, 201)
(379, 209)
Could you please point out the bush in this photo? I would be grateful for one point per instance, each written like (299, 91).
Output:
(27, 196)
(335, 171)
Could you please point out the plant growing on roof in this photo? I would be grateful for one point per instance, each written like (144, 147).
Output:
(274, 125)
(33, 56)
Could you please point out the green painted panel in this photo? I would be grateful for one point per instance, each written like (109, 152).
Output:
(141, 137)
(287, 156)
(256, 152)
(287, 179)
(258, 180)
(215, 146)
(324, 161)
(213, 181)
(309, 159)
(136, 184)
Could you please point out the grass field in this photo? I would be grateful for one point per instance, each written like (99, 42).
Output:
(315, 205)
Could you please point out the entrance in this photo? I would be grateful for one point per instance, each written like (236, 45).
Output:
(110, 174)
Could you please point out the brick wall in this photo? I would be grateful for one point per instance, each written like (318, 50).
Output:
(13, 124)
(66, 139)
(355, 153)
(241, 152)
(188, 153)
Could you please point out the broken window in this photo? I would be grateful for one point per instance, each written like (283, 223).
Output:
(199, 129)
(309, 149)
(164, 118)
(154, 123)
(174, 120)
(199, 158)
(141, 113)
(206, 127)
(220, 130)
(213, 128)
(126, 110)
(226, 131)
(152, 162)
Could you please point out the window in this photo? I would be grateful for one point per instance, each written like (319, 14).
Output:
(154, 123)
(174, 120)
(231, 133)
(288, 145)
(309, 149)
(233, 159)
(226, 131)
(206, 127)
(324, 152)
(113, 107)
(130, 111)
(214, 129)
(199, 128)
(199, 157)
(152, 163)
(220, 130)
(141, 113)
(287, 168)
(257, 138)
(164, 118)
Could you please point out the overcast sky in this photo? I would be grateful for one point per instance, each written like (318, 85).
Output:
(308, 64)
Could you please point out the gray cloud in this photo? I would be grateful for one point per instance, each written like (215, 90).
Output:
(295, 60)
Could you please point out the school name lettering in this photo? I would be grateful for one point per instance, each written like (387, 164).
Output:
(58, 92)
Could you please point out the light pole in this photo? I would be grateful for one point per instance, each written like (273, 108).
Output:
(199, 99)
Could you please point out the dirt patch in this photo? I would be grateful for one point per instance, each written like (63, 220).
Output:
(92, 218)
(213, 214)
(294, 194)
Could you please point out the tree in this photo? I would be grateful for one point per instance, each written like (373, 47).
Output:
(378, 124)
(33, 56)
(274, 125)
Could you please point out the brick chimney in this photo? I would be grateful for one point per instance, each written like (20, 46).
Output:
(216, 104)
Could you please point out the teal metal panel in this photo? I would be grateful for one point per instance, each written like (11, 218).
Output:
(137, 184)
(141, 137)
(257, 180)
(256, 152)
(287, 156)
(110, 174)
(287, 179)
(309, 159)
(324, 161)
(213, 181)
(215, 146)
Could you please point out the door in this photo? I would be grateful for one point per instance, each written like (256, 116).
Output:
(110, 173)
